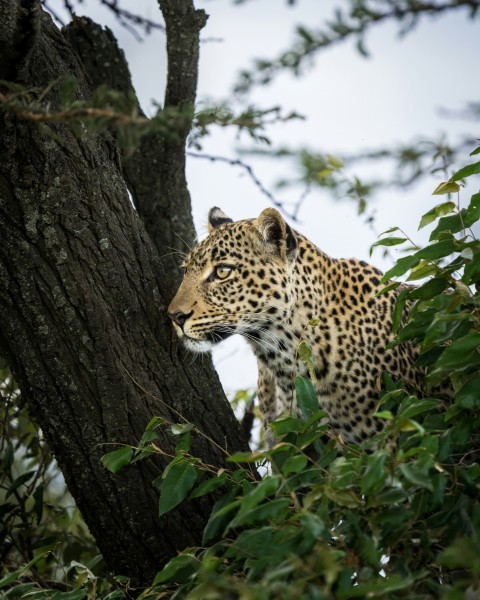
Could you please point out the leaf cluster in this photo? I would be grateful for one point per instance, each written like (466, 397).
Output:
(399, 517)
(402, 166)
(106, 109)
(356, 524)
(118, 112)
(43, 540)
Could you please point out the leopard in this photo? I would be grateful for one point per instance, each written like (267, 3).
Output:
(264, 280)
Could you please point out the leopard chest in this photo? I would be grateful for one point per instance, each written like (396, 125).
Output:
(346, 365)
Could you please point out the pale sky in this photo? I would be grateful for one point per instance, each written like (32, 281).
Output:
(350, 104)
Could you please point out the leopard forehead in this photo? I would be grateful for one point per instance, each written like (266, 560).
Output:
(231, 242)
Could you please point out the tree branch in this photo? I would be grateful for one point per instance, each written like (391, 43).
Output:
(236, 162)
(362, 16)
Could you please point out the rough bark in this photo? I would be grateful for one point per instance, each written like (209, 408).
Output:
(155, 172)
(82, 315)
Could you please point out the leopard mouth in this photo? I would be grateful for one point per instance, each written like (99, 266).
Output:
(217, 336)
(210, 339)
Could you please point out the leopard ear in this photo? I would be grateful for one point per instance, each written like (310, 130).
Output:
(217, 217)
(275, 230)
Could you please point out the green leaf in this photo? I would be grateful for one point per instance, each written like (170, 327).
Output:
(7, 459)
(20, 480)
(11, 577)
(343, 497)
(221, 514)
(208, 486)
(265, 488)
(412, 406)
(179, 428)
(459, 351)
(154, 423)
(472, 214)
(178, 481)
(471, 273)
(450, 224)
(335, 161)
(145, 446)
(184, 443)
(306, 397)
(304, 351)
(116, 460)
(77, 594)
(147, 438)
(38, 502)
(423, 269)
(23, 591)
(388, 496)
(374, 471)
(476, 151)
(274, 510)
(246, 457)
(402, 266)
(377, 588)
(257, 542)
(429, 357)
(178, 569)
(430, 289)
(468, 396)
(384, 414)
(305, 355)
(390, 241)
(416, 475)
(294, 464)
(466, 171)
(324, 173)
(437, 250)
(287, 425)
(435, 212)
(391, 230)
(462, 553)
(446, 187)
(399, 309)
(388, 288)
(14, 87)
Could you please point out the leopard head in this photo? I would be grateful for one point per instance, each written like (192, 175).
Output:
(236, 280)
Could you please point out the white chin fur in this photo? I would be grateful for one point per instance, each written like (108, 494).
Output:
(197, 345)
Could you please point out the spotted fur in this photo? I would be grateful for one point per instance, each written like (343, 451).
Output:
(261, 279)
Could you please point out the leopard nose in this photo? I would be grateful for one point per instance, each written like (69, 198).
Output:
(180, 317)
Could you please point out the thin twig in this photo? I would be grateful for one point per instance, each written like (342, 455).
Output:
(236, 162)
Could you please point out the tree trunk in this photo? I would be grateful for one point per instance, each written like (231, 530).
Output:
(83, 314)
(155, 172)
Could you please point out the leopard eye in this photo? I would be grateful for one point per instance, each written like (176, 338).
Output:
(222, 271)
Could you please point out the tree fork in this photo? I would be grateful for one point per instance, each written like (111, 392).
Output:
(155, 171)
(82, 316)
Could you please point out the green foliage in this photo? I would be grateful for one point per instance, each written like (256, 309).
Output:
(406, 164)
(44, 543)
(398, 518)
(119, 113)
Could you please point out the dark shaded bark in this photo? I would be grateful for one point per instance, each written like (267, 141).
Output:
(82, 315)
(155, 172)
